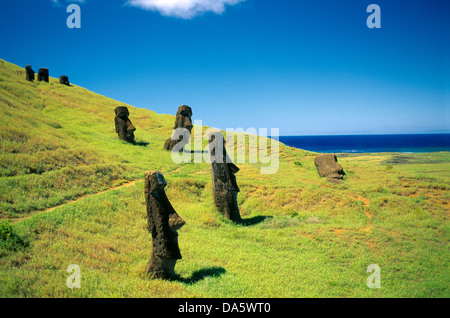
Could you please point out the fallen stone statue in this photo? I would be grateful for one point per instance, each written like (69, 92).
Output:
(327, 166)
(163, 223)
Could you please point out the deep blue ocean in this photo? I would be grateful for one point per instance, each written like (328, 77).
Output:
(370, 143)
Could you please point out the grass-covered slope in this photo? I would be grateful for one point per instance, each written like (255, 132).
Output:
(58, 143)
(301, 236)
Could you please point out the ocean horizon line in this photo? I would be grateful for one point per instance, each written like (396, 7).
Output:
(402, 143)
(362, 134)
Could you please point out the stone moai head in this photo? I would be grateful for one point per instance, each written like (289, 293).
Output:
(182, 120)
(29, 73)
(327, 166)
(63, 79)
(43, 75)
(163, 223)
(124, 127)
(223, 170)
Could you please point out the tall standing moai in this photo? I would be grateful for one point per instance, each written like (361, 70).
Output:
(223, 170)
(29, 73)
(63, 79)
(43, 75)
(163, 223)
(183, 120)
(124, 127)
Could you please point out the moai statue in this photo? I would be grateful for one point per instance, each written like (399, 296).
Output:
(43, 75)
(327, 166)
(63, 79)
(29, 73)
(163, 223)
(183, 120)
(225, 188)
(124, 127)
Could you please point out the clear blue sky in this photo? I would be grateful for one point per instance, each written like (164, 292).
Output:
(306, 67)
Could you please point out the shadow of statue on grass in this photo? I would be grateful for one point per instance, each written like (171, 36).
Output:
(200, 275)
(255, 220)
(141, 143)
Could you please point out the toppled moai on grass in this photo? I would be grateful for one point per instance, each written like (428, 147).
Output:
(124, 127)
(223, 170)
(182, 121)
(163, 223)
(327, 166)
(29, 73)
(43, 75)
(63, 79)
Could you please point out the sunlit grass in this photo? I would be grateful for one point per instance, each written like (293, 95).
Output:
(300, 237)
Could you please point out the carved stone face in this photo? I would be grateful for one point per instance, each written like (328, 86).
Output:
(124, 127)
(63, 79)
(156, 181)
(223, 171)
(163, 223)
(29, 73)
(183, 119)
(122, 112)
(161, 181)
(219, 155)
(43, 75)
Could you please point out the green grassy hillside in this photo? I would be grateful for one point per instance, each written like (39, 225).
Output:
(72, 193)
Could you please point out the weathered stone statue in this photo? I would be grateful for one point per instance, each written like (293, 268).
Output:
(29, 73)
(183, 120)
(163, 223)
(225, 188)
(124, 127)
(63, 79)
(327, 166)
(43, 75)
